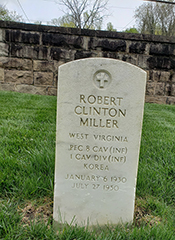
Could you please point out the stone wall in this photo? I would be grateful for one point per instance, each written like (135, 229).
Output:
(30, 56)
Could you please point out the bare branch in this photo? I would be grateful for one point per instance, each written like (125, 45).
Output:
(86, 13)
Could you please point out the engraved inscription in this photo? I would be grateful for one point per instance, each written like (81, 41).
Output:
(97, 158)
(96, 182)
(89, 113)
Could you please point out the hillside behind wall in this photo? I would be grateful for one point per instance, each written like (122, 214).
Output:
(30, 56)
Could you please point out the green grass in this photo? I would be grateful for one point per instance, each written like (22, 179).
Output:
(27, 159)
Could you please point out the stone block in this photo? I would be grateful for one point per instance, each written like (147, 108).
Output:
(168, 89)
(7, 87)
(43, 78)
(173, 90)
(30, 89)
(52, 91)
(170, 100)
(155, 99)
(28, 51)
(160, 76)
(142, 61)
(173, 77)
(163, 63)
(18, 76)
(106, 54)
(19, 36)
(60, 40)
(161, 49)
(16, 63)
(4, 49)
(12, 35)
(43, 66)
(137, 47)
(130, 58)
(160, 88)
(83, 54)
(16, 50)
(108, 44)
(1, 75)
(30, 37)
(150, 88)
(1, 35)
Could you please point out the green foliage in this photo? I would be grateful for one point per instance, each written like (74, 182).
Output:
(65, 21)
(7, 15)
(131, 30)
(27, 156)
(110, 27)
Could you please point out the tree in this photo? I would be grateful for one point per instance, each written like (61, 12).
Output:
(7, 15)
(65, 21)
(110, 27)
(84, 13)
(131, 30)
(156, 18)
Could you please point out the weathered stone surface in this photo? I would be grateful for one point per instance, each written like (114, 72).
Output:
(150, 88)
(1, 75)
(17, 36)
(160, 76)
(43, 66)
(16, 63)
(32, 52)
(168, 89)
(4, 49)
(173, 90)
(52, 91)
(162, 49)
(1, 35)
(170, 100)
(55, 53)
(95, 176)
(155, 99)
(142, 61)
(7, 86)
(173, 77)
(30, 89)
(59, 40)
(43, 78)
(17, 76)
(128, 58)
(24, 43)
(30, 37)
(160, 100)
(137, 47)
(160, 63)
(160, 89)
(106, 54)
(83, 54)
(108, 45)
(62, 54)
(16, 50)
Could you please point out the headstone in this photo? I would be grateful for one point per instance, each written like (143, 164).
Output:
(99, 122)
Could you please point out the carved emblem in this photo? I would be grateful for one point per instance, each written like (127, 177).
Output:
(102, 79)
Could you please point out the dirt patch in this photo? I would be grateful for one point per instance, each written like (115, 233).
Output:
(142, 215)
(43, 211)
(32, 212)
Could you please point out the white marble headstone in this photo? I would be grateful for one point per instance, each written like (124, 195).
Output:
(99, 122)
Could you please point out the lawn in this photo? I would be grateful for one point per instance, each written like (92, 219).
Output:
(27, 159)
